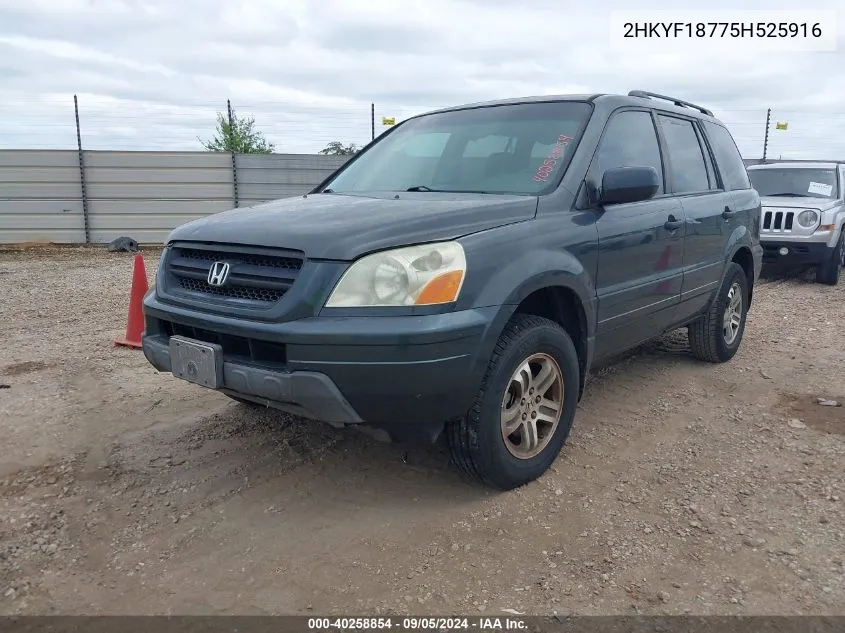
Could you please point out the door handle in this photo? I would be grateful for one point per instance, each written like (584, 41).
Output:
(728, 213)
(672, 225)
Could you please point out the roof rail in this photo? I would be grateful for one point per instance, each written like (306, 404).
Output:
(677, 102)
(776, 161)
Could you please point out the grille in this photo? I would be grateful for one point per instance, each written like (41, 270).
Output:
(236, 292)
(255, 278)
(778, 221)
(268, 261)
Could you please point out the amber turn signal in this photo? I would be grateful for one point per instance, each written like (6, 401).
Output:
(441, 289)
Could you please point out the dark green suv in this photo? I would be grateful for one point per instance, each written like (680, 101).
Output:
(464, 272)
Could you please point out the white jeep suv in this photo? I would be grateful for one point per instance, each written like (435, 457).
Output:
(803, 212)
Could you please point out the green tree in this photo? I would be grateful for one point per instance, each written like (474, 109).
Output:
(336, 148)
(240, 137)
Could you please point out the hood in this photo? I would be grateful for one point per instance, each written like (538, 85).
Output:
(343, 227)
(805, 202)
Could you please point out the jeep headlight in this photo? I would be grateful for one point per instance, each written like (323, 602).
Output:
(429, 274)
(808, 218)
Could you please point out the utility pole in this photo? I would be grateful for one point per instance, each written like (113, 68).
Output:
(766, 140)
(372, 121)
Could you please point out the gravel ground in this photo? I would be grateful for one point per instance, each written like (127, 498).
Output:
(685, 487)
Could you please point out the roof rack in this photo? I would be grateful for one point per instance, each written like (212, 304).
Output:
(777, 161)
(677, 102)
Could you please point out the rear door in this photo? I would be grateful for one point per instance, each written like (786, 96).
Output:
(691, 177)
(744, 209)
(639, 275)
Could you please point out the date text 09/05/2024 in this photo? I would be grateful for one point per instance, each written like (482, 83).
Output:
(416, 624)
(722, 29)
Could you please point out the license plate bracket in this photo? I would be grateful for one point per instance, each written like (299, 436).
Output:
(196, 361)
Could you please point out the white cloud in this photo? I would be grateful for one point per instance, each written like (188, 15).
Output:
(59, 49)
(153, 74)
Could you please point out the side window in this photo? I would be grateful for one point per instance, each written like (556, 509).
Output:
(728, 159)
(629, 141)
(687, 169)
(708, 160)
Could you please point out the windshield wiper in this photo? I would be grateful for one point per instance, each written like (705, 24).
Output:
(785, 195)
(425, 188)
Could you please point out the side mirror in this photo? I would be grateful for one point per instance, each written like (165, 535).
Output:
(628, 184)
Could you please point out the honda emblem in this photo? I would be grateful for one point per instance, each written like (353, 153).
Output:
(218, 274)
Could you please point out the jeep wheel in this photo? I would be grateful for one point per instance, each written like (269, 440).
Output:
(524, 410)
(828, 272)
(716, 336)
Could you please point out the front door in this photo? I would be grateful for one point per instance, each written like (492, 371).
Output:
(641, 244)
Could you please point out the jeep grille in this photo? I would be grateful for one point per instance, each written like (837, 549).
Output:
(778, 221)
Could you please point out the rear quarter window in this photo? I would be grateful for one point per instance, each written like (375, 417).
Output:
(728, 159)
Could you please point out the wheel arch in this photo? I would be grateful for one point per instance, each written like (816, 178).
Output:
(558, 296)
(563, 305)
(745, 259)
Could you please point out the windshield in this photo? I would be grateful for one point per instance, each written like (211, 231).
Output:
(508, 149)
(793, 183)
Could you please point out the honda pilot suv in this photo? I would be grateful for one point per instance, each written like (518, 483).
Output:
(803, 214)
(462, 274)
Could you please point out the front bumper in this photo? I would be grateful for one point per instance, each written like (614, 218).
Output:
(798, 252)
(405, 374)
(308, 394)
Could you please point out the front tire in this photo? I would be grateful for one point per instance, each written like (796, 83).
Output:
(716, 337)
(828, 272)
(523, 412)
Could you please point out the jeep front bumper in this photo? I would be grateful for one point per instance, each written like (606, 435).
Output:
(798, 252)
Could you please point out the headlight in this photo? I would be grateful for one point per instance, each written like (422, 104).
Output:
(808, 218)
(413, 276)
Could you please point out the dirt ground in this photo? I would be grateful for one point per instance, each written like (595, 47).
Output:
(685, 487)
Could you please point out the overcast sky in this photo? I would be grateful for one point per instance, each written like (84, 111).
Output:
(151, 74)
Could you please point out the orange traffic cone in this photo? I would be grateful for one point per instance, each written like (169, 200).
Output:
(135, 322)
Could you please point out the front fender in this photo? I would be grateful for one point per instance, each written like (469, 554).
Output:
(836, 217)
(512, 282)
(534, 270)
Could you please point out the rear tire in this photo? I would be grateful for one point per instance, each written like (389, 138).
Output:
(523, 412)
(829, 272)
(716, 337)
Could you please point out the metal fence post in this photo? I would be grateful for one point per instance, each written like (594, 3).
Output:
(234, 160)
(766, 139)
(82, 173)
